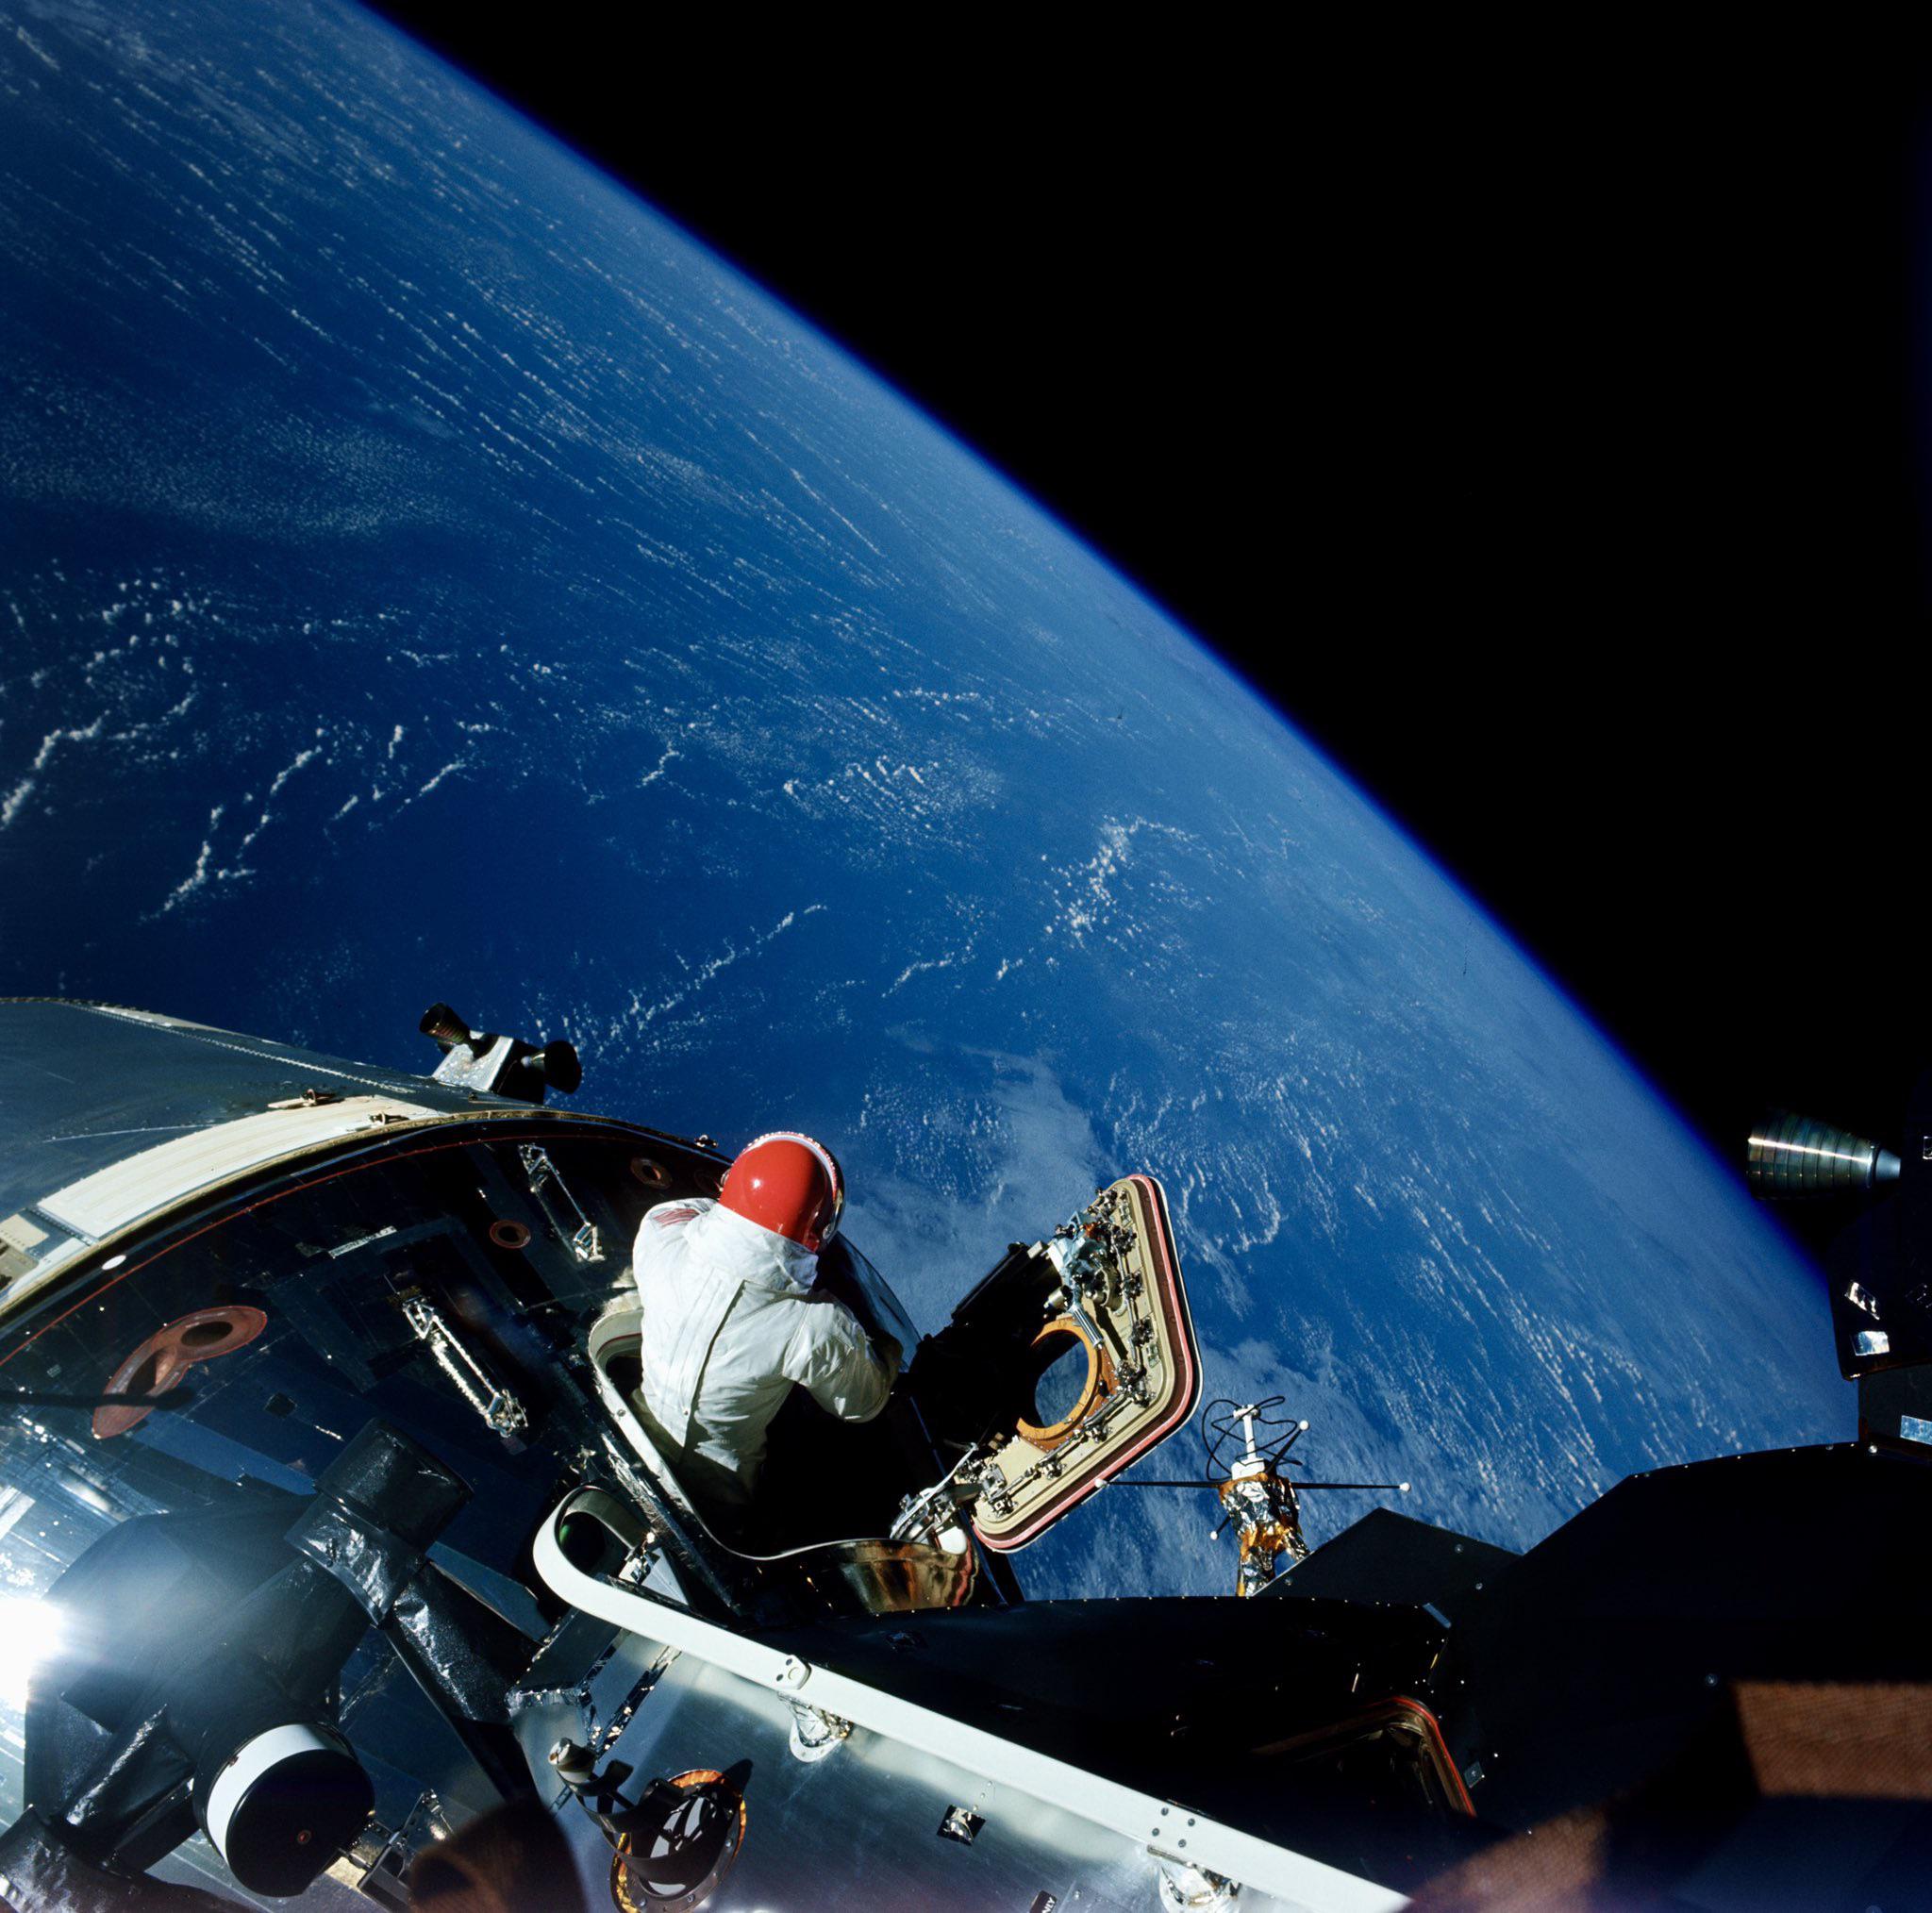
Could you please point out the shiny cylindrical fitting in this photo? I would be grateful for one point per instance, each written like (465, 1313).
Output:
(1792, 1156)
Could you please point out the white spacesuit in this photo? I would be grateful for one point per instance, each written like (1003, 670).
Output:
(730, 1324)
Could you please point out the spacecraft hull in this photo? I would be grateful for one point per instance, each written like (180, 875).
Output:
(317, 1435)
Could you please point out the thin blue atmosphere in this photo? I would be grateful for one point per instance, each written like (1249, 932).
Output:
(428, 575)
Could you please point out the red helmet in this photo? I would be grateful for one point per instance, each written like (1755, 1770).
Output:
(788, 1184)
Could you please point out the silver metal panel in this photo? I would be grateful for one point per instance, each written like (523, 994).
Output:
(1094, 1818)
(860, 1828)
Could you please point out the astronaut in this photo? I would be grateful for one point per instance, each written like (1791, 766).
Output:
(732, 1321)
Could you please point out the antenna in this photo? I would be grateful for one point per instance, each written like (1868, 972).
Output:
(1253, 1490)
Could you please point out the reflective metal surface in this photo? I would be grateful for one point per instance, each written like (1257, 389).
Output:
(899, 1577)
(256, 1332)
(422, 1293)
(1792, 1156)
(861, 1829)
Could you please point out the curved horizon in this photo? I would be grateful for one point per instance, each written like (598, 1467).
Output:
(450, 578)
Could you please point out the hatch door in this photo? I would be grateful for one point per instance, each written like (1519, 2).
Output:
(1072, 1357)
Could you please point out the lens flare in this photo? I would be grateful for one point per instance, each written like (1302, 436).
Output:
(30, 1635)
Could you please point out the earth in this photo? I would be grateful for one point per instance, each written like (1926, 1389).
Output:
(427, 574)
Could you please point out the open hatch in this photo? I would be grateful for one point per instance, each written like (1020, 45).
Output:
(1072, 1358)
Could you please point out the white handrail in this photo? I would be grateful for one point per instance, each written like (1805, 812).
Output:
(1292, 1878)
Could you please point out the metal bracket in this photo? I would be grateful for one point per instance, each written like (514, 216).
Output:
(565, 1213)
(478, 1386)
(1186, 1888)
(815, 1733)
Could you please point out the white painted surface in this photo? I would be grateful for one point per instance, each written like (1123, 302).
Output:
(151, 1179)
(251, 1762)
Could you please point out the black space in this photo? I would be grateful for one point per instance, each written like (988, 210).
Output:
(1540, 426)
